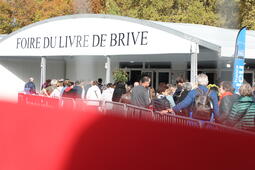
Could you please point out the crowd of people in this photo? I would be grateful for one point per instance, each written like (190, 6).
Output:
(203, 102)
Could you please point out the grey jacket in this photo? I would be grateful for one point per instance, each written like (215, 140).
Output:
(225, 107)
(140, 96)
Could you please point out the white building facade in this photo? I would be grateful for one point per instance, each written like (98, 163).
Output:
(87, 47)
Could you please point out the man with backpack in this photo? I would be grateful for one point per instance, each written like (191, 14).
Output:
(202, 101)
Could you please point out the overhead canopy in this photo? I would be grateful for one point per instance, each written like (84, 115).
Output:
(94, 35)
(218, 39)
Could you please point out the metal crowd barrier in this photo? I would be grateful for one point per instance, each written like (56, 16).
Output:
(138, 112)
(67, 103)
(114, 108)
(80, 104)
(124, 110)
(175, 119)
(222, 128)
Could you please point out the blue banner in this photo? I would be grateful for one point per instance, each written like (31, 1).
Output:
(238, 73)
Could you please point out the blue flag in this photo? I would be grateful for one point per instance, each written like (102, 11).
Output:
(238, 73)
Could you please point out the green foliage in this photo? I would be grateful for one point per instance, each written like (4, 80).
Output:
(223, 13)
(120, 76)
(247, 9)
(229, 12)
(195, 11)
(186, 11)
(15, 14)
(6, 21)
(143, 9)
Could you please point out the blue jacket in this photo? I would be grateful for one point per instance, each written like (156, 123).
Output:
(190, 99)
(30, 88)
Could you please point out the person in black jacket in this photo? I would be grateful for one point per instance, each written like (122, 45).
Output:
(179, 83)
(187, 87)
(119, 90)
(227, 98)
(160, 103)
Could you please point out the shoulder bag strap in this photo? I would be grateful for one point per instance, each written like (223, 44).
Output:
(199, 91)
(208, 92)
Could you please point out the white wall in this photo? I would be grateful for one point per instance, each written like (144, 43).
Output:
(15, 72)
(93, 67)
(85, 68)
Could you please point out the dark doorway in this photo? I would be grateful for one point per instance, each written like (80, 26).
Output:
(135, 76)
(211, 76)
(248, 78)
(163, 77)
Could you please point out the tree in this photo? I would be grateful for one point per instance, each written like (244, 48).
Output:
(52, 8)
(15, 14)
(195, 11)
(247, 10)
(144, 9)
(187, 11)
(229, 12)
(88, 6)
(7, 23)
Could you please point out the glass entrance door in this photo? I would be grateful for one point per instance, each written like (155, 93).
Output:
(163, 78)
(248, 77)
(135, 76)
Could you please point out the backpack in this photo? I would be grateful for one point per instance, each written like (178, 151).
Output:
(202, 108)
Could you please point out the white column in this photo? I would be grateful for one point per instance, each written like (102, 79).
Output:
(108, 70)
(43, 71)
(193, 63)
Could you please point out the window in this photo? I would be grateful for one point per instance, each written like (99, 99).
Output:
(131, 65)
(158, 65)
(205, 65)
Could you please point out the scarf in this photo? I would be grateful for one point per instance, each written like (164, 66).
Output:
(225, 94)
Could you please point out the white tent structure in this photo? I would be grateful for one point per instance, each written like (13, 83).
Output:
(87, 47)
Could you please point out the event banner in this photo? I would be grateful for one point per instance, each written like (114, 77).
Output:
(91, 35)
(238, 72)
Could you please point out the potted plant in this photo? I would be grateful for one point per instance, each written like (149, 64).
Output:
(119, 76)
